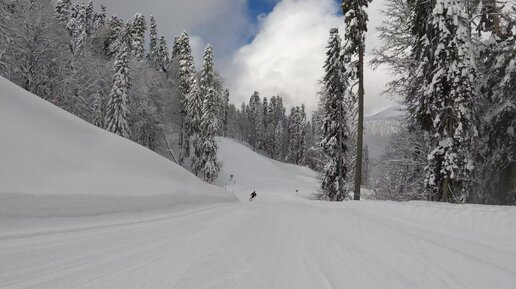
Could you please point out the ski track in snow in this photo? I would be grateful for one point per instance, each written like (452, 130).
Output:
(272, 243)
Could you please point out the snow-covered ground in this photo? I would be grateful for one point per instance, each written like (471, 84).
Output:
(281, 240)
(55, 165)
(272, 180)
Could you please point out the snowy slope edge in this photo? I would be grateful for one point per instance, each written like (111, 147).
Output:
(55, 164)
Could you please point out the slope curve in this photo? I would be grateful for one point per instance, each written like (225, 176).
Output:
(54, 164)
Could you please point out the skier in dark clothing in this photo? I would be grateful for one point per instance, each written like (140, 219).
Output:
(253, 195)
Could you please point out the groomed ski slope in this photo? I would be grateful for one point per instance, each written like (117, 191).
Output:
(281, 240)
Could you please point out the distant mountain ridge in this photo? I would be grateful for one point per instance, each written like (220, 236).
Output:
(384, 123)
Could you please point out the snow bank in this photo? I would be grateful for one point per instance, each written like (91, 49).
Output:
(270, 178)
(55, 164)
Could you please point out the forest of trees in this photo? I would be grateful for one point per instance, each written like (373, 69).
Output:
(455, 67)
(99, 68)
(455, 73)
(454, 63)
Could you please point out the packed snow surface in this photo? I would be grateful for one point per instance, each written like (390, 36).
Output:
(280, 240)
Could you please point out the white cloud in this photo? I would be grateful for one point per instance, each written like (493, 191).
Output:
(287, 55)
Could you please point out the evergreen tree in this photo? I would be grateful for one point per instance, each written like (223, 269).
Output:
(334, 131)
(137, 32)
(117, 111)
(89, 18)
(498, 86)
(490, 19)
(446, 109)
(279, 136)
(225, 112)
(194, 114)
(210, 167)
(355, 17)
(205, 126)
(208, 73)
(255, 113)
(153, 44)
(5, 37)
(162, 57)
(63, 11)
(187, 78)
(99, 19)
(296, 135)
(98, 111)
(77, 27)
(112, 41)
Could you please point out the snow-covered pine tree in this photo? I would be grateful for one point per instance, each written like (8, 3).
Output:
(196, 109)
(279, 136)
(296, 135)
(255, 121)
(5, 37)
(208, 73)
(209, 126)
(99, 19)
(302, 135)
(355, 17)
(334, 131)
(162, 57)
(490, 11)
(314, 157)
(152, 56)
(112, 41)
(187, 77)
(117, 109)
(77, 27)
(225, 112)
(446, 109)
(210, 166)
(89, 18)
(499, 86)
(194, 113)
(292, 121)
(268, 128)
(63, 11)
(98, 110)
(137, 33)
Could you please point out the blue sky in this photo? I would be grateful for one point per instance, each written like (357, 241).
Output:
(257, 7)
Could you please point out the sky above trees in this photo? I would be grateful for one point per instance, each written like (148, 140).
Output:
(273, 46)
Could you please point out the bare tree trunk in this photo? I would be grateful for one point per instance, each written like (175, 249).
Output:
(360, 127)
(445, 197)
(169, 149)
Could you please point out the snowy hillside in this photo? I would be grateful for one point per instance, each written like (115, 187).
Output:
(54, 164)
(254, 172)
